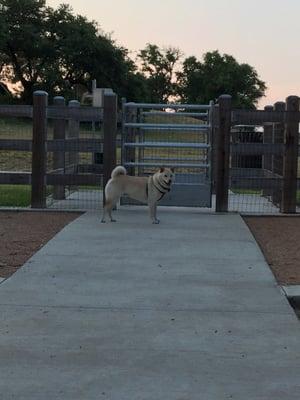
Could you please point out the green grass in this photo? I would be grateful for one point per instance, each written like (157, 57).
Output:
(15, 195)
(246, 191)
(18, 195)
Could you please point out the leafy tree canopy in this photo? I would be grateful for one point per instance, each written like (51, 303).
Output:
(159, 67)
(56, 51)
(60, 52)
(202, 81)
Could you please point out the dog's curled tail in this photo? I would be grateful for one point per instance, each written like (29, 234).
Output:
(118, 171)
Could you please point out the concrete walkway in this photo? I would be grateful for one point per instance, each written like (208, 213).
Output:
(184, 310)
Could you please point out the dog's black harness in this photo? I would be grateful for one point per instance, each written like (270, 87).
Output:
(167, 189)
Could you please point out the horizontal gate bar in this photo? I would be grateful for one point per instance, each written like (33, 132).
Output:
(168, 144)
(182, 127)
(174, 114)
(186, 159)
(174, 106)
(158, 165)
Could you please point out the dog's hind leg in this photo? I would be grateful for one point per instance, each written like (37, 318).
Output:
(109, 205)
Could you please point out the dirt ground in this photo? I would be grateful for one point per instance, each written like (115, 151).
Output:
(23, 233)
(279, 239)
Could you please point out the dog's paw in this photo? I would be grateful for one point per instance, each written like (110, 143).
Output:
(103, 221)
(113, 220)
(156, 221)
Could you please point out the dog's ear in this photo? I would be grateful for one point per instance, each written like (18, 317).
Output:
(172, 169)
(161, 169)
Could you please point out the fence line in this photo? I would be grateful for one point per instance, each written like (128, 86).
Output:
(280, 146)
(65, 142)
(268, 165)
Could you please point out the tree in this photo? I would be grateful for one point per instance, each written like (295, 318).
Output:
(57, 51)
(159, 68)
(199, 82)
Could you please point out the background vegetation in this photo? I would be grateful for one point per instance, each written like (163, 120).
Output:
(60, 52)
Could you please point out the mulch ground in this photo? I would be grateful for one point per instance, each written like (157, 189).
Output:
(279, 239)
(23, 233)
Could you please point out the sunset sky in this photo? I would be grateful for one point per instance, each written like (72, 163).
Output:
(262, 33)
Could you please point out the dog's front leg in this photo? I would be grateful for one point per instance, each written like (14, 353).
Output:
(153, 208)
(103, 216)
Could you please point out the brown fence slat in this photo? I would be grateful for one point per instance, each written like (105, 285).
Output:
(79, 114)
(15, 111)
(24, 178)
(258, 117)
(15, 178)
(255, 183)
(257, 148)
(74, 179)
(74, 145)
(59, 133)
(39, 154)
(290, 159)
(223, 153)
(16, 144)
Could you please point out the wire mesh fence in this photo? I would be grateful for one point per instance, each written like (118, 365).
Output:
(70, 156)
(16, 160)
(83, 157)
(254, 186)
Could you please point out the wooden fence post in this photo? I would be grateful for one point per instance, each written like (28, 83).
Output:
(267, 164)
(131, 137)
(59, 133)
(223, 153)
(73, 133)
(268, 138)
(278, 138)
(110, 114)
(290, 159)
(214, 138)
(277, 166)
(39, 153)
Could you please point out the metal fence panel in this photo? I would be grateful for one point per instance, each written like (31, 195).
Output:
(164, 135)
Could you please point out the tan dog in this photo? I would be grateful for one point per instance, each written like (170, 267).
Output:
(147, 190)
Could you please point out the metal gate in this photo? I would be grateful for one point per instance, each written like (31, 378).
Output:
(170, 135)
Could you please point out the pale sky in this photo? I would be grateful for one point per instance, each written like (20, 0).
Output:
(262, 33)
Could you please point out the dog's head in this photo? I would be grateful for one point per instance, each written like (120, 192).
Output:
(166, 176)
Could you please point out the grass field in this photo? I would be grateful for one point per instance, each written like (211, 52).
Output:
(15, 195)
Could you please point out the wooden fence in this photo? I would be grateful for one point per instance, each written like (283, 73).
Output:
(278, 150)
(61, 144)
(281, 142)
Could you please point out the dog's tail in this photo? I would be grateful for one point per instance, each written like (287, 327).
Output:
(118, 171)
